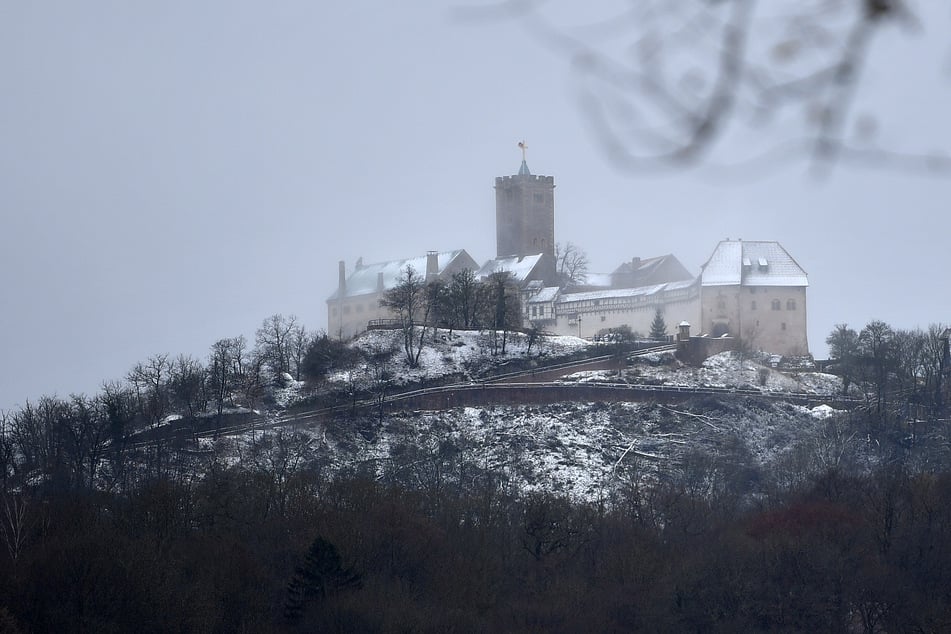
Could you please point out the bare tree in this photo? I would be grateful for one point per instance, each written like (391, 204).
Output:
(463, 297)
(379, 361)
(188, 383)
(572, 265)
(438, 308)
(29, 437)
(300, 341)
(252, 381)
(118, 405)
(61, 440)
(936, 350)
(150, 382)
(225, 369)
(665, 82)
(274, 342)
(276, 458)
(85, 429)
(502, 307)
(14, 524)
(877, 347)
(408, 302)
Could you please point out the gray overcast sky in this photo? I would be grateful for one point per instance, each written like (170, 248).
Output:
(174, 172)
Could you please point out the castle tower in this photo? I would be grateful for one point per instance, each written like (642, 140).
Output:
(525, 214)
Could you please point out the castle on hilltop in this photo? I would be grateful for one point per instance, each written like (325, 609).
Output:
(751, 290)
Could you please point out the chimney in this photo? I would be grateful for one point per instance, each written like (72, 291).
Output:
(379, 282)
(432, 265)
(684, 334)
(342, 283)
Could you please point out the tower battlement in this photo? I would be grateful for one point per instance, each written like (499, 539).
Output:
(519, 179)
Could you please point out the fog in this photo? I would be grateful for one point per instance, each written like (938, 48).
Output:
(175, 172)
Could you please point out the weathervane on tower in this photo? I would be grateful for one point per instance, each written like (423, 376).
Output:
(523, 170)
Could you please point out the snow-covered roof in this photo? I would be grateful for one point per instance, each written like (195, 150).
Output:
(520, 267)
(756, 263)
(598, 279)
(365, 278)
(624, 292)
(644, 271)
(547, 294)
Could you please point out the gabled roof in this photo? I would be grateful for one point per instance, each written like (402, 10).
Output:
(644, 272)
(545, 295)
(365, 278)
(756, 263)
(520, 267)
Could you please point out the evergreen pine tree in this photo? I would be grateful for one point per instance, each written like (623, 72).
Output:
(658, 327)
(320, 574)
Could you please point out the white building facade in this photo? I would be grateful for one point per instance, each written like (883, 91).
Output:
(756, 291)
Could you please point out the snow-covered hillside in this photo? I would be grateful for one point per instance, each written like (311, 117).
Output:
(583, 450)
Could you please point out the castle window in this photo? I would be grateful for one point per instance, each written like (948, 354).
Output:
(721, 304)
(538, 197)
(753, 305)
(783, 326)
(776, 305)
(790, 304)
(534, 311)
(603, 318)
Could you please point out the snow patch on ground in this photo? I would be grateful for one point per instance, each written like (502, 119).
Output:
(725, 370)
(823, 412)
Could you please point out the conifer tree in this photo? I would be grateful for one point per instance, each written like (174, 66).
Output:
(658, 327)
(320, 574)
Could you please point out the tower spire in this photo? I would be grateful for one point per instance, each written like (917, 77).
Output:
(523, 170)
